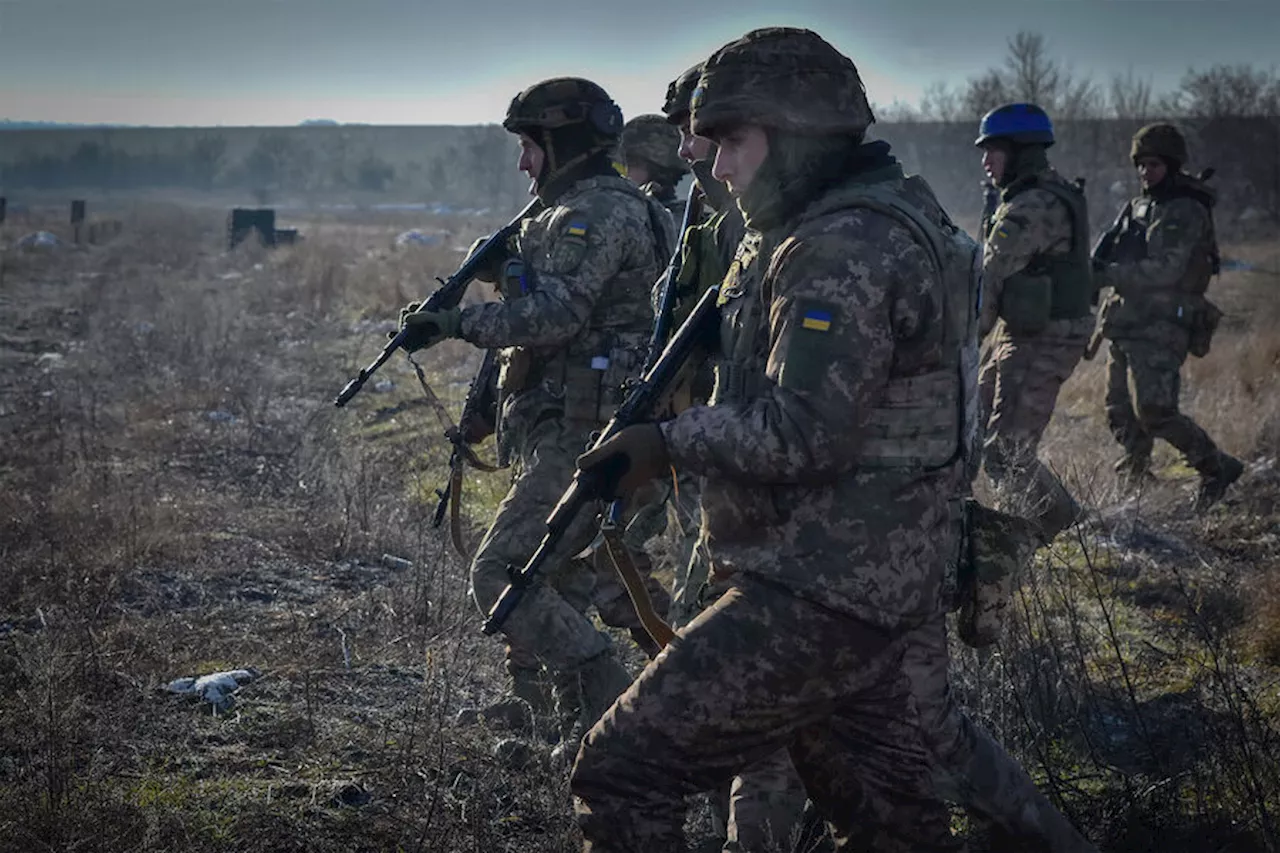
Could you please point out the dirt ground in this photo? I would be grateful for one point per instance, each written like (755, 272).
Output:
(179, 496)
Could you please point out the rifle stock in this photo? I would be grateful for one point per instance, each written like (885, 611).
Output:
(448, 295)
(638, 407)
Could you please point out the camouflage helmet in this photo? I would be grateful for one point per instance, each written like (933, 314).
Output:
(563, 101)
(679, 93)
(785, 78)
(649, 140)
(1159, 140)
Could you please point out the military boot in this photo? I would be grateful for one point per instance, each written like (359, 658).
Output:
(528, 709)
(1216, 476)
(601, 680)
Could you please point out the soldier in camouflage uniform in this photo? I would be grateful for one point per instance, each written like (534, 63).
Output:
(650, 154)
(1037, 295)
(826, 511)
(571, 329)
(1158, 270)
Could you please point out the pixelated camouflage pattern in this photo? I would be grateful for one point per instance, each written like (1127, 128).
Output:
(1021, 375)
(1143, 384)
(561, 101)
(1159, 140)
(1153, 295)
(590, 263)
(971, 769)
(766, 806)
(1031, 223)
(591, 260)
(652, 141)
(757, 672)
(997, 548)
(782, 77)
(785, 494)
(679, 93)
(546, 626)
(1147, 317)
(1018, 387)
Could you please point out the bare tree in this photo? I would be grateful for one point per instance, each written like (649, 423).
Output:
(897, 112)
(983, 93)
(1030, 74)
(1131, 97)
(1225, 90)
(939, 102)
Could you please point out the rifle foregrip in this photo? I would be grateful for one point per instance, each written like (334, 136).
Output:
(502, 608)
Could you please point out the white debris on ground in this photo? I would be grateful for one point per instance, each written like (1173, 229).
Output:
(416, 237)
(216, 688)
(39, 240)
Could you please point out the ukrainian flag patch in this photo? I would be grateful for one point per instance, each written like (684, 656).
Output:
(817, 320)
(578, 228)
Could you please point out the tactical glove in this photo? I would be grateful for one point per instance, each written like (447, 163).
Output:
(427, 328)
(627, 461)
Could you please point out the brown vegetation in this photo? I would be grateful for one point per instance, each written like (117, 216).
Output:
(178, 496)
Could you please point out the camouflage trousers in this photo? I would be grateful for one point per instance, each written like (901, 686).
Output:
(971, 769)
(1143, 384)
(760, 671)
(548, 627)
(1018, 387)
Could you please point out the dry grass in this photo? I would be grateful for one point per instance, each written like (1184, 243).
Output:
(178, 495)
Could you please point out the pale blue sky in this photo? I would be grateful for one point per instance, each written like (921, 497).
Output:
(230, 62)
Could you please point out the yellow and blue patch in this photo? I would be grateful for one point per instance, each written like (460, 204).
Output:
(816, 320)
(577, 228)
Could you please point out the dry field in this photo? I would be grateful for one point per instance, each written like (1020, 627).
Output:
(178, 496)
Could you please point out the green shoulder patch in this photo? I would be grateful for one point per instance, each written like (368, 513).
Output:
(810, 345)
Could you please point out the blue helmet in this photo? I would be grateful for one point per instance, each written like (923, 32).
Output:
(1021, 124)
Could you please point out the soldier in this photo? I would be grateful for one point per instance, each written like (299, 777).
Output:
(1037, 295)
(830, 453)
(650, 156)
(572, 328)
(1159, 270)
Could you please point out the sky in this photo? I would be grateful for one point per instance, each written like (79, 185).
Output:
(280, 62)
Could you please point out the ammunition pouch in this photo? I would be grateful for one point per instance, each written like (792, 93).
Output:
(1026, 303)
(994, 549)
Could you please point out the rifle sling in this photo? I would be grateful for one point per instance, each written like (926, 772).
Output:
(658, 629)
(462, 453)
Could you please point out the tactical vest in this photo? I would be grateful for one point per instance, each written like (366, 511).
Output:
(1070, 275)
(588, 373)
(923, 421)
(1131, 244)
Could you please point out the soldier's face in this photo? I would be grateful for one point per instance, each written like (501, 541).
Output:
(1151, 170)
(637, 174)
(742, 150)
(693, 148)
(994, 160)
(531, 157)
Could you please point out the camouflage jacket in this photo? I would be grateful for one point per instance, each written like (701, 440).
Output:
(1026, 228)
(580, 322)
(817, 319)
(1162, 272)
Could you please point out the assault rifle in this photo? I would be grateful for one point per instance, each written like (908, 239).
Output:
(448, 295)
(664, 319)
(451, 495)
(638, 407)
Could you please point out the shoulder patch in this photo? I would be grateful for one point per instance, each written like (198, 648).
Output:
(816, 320)
(577, 228)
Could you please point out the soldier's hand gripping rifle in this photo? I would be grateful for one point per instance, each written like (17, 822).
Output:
(639, 407)
(448, 295)
(664, 318)
(1103, 253)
